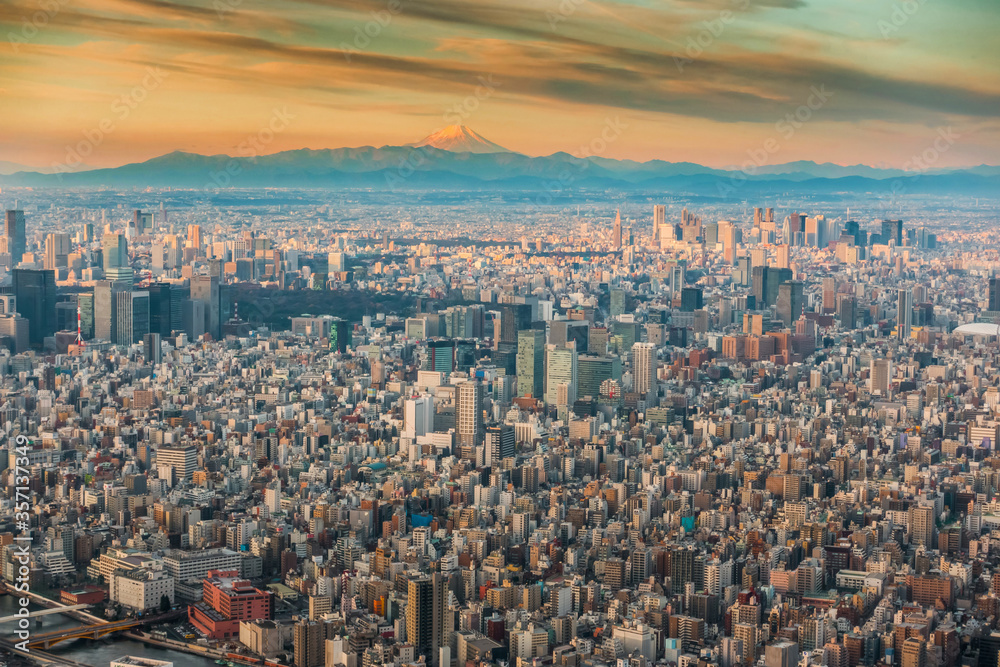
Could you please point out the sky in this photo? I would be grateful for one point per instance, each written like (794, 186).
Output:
(717, 82)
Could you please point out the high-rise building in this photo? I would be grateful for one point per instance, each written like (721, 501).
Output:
(880, 375)
(994, 294)
(892, 231)
(469, 412)
(116, 262)
(692, 299)
(340, 335)
(500, 444)
(616, 234)
(131, 314)
(15, 234)
(659, 221)
(309, 643)
(56, 250)
(531, 362)
(781, 654)
(426, 606)
(194, 238)
(151, 348)
(904, 313)
(183, 460)
(747, 633)
(592, 371)
(914, 652)
(441, 355)
(35, 294)
(560, 369)
(789, 304)
(162, 319)
(643, 368)
(921, 522)
(206, 290)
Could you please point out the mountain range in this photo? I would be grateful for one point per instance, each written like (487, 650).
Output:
(458, 158)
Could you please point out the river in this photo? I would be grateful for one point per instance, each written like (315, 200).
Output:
(101, 653)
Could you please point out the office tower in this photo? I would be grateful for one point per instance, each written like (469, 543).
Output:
(728, 236)
(309, 647)
(560, 369)
(418, 416)
(500, 444)
(994, 294)
(643, 368)
(160, 308)
(659, 221)
(514, 317)
(142, 222)
(692, 299)
(183, 460)
(829, 294)
(892, 231)
(206, 290)
(678, 276)
(194, 238)
(789, 303)
(880, 375)
(151, 348)
(469, 412)
(758, 217)
(131, 315)
(85, 304)
(105, 307)
(593, 371)
(35, 295)
(616, 306)
(56, 250)
(904, 313)
(441, 355)
(781, 654)
(616, 235)
(340, 335)
(765, 282)
(531, 362)
(426, 606)
(193, 318)
(16, 239)
(846, 311)
(565, 331)
(784, 253)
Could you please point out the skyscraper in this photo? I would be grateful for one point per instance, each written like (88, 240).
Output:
(206, 290)
(340, 335)
(643, 368)
(56, 250)
(500, 444)
(469, 412)
(426, 605)
(16, 239)
(560, 369)
(904, 313)
(530, 363)
(994, 294)
(789, 306)
(659, 221)
(116, 262)
(309, 644)
(616, 234)
(131, 314)
(194, 238)
(161, 304)
(105, 309)
(35, 294)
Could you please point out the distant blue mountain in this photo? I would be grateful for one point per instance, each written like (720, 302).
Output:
(428, 167)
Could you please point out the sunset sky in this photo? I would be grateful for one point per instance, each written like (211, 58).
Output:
(133, 79)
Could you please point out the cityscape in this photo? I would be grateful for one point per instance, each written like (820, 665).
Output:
(441, 333)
